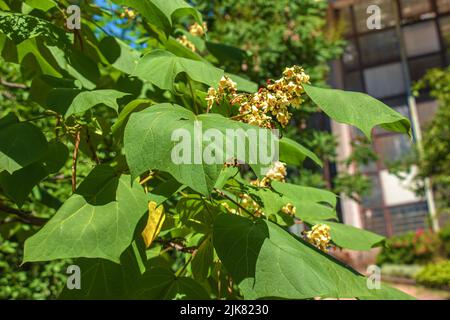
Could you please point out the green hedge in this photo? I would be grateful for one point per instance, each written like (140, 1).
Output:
(435, 275)
(444, 235)
(419, 247)
(401, 270)
(31, 281)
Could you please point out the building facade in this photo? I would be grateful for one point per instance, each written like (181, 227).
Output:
(382, 58)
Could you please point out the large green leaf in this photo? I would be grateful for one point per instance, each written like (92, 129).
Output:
(19, 184)
(311, 204)
(358, 109)
(203, 259)
(162, 67)
(21, 144)
(69, 101)
(120, 55)
(103, 279)
(302, 193)
(225, 53)
(133, 106)
(294, 153)
(353, 238)
(196, 213)
(238, 242)
(164, 191)
(178, 49)
(162, 13)
(306, 210)
(162, 284)
(149, 146)
(98, 221)
(20, 27)
(76, 64)
(243, 84)
(43, 5)
(266, 261)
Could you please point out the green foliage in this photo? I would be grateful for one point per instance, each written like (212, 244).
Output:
(272, 35)
(148, 144)
(15, 153)
(419, 247)
(115, 109)
(273, 257)
(82, 226)
(401, 270)
(432, 161)
(435, 162)
(435, 275)
(344, 106)
(37, 281)
(444, 235)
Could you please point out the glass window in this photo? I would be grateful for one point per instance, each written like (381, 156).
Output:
(379, 47)
(396, 103)
(443, 5)
(374, 221)
(418, 67)
(361, 15)
(385, 81)
(374, 199)
(421, 38)
(409, 217)
(353, 82)
(393, 147)
(396, 190)
(350, 56)
(415, 8)
(400, 104)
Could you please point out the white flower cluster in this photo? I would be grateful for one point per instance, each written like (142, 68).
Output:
(319, 236)
(270, 104)
(185, 42)
(197, 29)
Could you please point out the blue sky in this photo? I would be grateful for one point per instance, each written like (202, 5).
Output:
(113, 28)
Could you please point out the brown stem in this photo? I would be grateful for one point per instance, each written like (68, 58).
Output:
(74, 161)
(146, 179)
(23, 216)
(12, 84)
(8, 95)
(176, 246)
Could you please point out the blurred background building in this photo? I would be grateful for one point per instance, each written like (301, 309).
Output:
(414, 36)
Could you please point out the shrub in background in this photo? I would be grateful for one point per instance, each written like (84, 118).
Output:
(418, 247)
(401, 270)
(444, 236)
(435, 275)
(32, 281)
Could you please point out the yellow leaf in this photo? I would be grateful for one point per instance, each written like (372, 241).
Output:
(154, 223)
